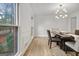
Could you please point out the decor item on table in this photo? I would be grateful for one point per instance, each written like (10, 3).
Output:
(61, 12)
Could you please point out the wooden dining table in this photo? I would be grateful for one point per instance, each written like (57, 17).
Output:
(64, 38)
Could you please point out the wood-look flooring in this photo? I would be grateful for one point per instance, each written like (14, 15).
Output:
(39, 47)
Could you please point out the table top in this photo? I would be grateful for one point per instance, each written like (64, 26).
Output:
(64, 35)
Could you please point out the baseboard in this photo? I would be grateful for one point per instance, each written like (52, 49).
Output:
(17, 54)
(40, 36)
(24, 49)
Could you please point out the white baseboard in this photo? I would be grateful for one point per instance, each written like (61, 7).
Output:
(21, 53)
(17, 54)
(41, 36)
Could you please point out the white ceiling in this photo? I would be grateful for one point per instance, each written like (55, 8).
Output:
(50, 8)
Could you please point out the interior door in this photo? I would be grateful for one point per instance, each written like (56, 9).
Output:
(73, 24)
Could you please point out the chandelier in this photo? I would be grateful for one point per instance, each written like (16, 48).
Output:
(61, 12)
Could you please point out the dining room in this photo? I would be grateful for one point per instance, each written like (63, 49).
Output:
(61, 20)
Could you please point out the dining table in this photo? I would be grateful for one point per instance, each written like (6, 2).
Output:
(64, 38)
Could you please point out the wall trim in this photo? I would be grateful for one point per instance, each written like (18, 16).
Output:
(41, 36)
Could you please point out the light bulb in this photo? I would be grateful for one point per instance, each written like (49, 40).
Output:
(57, 17)
(57, 11)
(60, 15)
(66, 15)
(65, 10)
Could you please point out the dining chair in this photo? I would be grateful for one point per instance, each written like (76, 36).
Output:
(52, 39)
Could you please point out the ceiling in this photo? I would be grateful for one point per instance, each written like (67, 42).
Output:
(50, 8)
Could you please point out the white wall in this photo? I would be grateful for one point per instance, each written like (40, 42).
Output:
(42, 23)
(25, 14)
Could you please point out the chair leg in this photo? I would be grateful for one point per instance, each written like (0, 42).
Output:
(66, 49)
(60, 45)
(57, 43)
(50, 44)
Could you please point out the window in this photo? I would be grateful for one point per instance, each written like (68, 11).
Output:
(8, 32)
(7, 13)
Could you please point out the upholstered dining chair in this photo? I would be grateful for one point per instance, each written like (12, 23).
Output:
(76, 32)
(52, 39)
